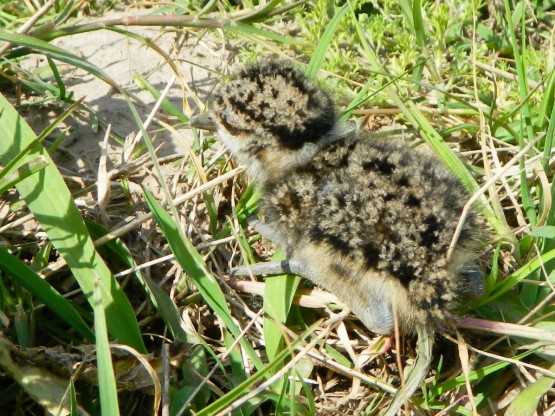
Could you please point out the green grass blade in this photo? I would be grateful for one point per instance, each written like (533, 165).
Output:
(408, 11)
(526, 402)
(510, 281)
(548, 102)
(243, 388)
(253, 32)
(528, 131)
(57, 53)
(418, 22)
(9, 177)
(21, 172)
(49, 199)
(193, 264)
(44, 292)
(421, 37)
(106, 377)
(477, 374)
(324, 43)
(143, 83)
(16, 160)
(58, 78)
(263, 11)
(279, 292)
(73, 399)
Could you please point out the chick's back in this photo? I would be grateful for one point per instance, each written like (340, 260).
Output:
(373, 221)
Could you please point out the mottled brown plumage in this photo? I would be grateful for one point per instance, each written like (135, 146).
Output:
(370, 220)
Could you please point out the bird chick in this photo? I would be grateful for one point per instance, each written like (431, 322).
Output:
(369, 220)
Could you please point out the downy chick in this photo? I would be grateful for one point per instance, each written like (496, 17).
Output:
(369, 220)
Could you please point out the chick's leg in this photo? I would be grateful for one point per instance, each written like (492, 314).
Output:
(269, 232)
(269, 267)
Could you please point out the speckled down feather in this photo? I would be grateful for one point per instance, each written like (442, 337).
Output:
(370, 220)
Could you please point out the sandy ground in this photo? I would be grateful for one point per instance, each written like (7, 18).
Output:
(122, 59)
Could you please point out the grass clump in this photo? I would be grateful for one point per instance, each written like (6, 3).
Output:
(118, 297)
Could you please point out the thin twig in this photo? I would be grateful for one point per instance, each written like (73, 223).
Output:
(507, 359)
(280, 374)
(214, 368)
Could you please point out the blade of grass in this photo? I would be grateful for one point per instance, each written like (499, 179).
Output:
(47, 131)
(106, 376)
(477, 374)
(527, 203)
(510, 281)
(417, 22)
(193, 264)
(243, 388)
(44, 292)
(279, 292)
(73, 399)
(526, 402)
(262, 12)
(243, 28)
(324, 43)
(59, 54)
(143, 83)
(58, 78)
(49, 199)
(21, 172)
(547, 116)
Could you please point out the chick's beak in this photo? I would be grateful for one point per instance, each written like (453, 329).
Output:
(203, 121)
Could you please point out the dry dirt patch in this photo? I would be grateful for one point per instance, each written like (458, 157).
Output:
(123, 59)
